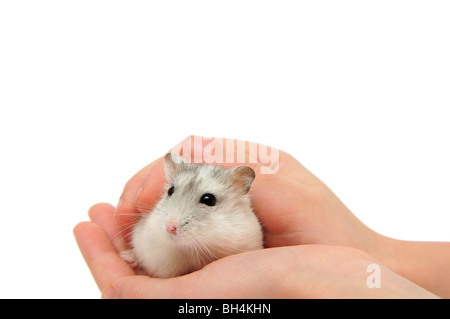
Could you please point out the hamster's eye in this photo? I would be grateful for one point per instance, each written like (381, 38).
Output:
(208, 199)
(171, 190)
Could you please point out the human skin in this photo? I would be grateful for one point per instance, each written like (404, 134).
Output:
(311, 234)
(299, 271)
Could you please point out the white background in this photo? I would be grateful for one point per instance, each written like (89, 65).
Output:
(91, 91)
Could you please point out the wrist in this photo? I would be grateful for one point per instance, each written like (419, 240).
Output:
(388, 251)
(424, 263)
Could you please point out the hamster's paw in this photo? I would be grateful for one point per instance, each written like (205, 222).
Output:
(128, 256)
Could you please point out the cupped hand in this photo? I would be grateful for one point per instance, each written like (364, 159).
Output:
(301, 271)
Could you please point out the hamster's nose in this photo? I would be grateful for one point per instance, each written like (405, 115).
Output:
(172, 226)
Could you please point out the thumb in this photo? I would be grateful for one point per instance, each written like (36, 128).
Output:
(235, 276)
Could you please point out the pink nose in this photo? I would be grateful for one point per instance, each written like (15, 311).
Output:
(171, 227)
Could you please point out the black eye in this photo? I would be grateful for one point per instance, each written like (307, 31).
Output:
(171, 190)
(208, 199)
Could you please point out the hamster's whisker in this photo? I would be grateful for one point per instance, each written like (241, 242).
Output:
(196, 253)
(223, 250)
(230, 248)
(203, 250)
(210, 253)
(136, 205)
(131, 225)
(129, 214)
(144, 206)
(115, 236)
(127, 235)
(121, 225)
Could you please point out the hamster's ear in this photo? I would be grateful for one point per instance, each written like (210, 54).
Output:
(243, 177)
(171, 163)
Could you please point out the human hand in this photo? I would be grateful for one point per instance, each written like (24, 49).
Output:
(302, 271)
(295, 208)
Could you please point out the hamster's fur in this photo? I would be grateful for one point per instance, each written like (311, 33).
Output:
(182, 233)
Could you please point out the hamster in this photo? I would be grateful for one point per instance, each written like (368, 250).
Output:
(205, 214)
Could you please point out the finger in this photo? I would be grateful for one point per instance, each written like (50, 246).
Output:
(280, 205)
(222, 279)
(232, 152)
(129, 207)
(151, 188)
(305, 271)
(132, 187)
(236, 276)
(104, 215)
(101, 257)
(220, 151)
(145, 199)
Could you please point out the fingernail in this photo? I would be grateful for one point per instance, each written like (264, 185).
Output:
(109, 293)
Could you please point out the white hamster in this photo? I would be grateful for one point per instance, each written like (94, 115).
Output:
(205, 214)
